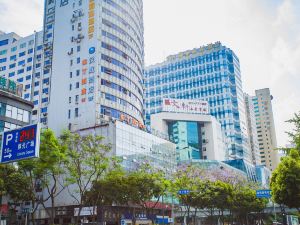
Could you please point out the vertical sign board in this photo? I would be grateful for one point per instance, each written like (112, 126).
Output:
(21, 143)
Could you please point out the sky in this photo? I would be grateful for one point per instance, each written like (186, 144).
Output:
(264, 34)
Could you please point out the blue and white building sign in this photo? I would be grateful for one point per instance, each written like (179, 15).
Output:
(263, 193)
(183, 192)
(21, 143)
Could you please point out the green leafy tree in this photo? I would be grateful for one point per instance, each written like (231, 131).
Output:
(112, 188)
(285, 181)
(295, 134)
(87, 162)
(46, 173)
(146, 187)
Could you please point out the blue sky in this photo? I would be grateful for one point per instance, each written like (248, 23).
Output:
(265, 34)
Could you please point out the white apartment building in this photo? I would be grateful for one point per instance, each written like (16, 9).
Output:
(22, 60)
(252, 131)
(266, 128)
(97, 61)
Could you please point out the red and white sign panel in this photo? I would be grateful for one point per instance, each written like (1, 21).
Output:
(185, 106)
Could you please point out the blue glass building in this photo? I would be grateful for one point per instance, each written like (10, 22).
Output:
(210, 73)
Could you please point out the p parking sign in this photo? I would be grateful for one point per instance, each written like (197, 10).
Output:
(21, 143)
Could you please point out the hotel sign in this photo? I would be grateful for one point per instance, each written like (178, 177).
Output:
(185, 106)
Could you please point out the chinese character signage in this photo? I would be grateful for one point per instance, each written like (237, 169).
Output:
(185, 106)
(22, 143)
(263, 193)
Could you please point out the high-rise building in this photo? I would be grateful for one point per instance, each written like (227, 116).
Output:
(95, 55)
(266, 135)
(21, 60)
(252, 131)
(210, 73)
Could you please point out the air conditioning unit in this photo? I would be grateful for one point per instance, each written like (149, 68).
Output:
(73, 20)
(78, 40)
(45, 114)
(79, 28)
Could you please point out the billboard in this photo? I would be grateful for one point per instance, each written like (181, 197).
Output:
(185, 106)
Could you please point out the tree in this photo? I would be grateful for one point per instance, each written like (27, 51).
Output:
(112, 188)
(46, 172)
(295, 134)
(285, 181)
(87, 162)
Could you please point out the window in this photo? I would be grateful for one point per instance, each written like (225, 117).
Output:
(13, 57)
(46, 81)
(29, 68)
(26, 95)
(45, 90)
(49, 35)
(2, 68)
(71, 74)
(37, 83)
(69, 114)
(2, 60)
(29, 59)
(4, 42)
(11, 74)
(78, 60)
(77, 84)
(70, 100)
(20, 79)
(44, 110)
(76, 98)
(71, 62)
(73, 27)
(12, 66)
(35, 93)
(21, 63)
(78, 48)
(30, 51)
(23, 45)
(30, 42)
(76, 112)
(13, 49)
(70, 87)
(20, 71)
(3, 52)
(21, 54)
(44, 100)
(38, 74)
(27, 86)
(77, 72)
(40, 47)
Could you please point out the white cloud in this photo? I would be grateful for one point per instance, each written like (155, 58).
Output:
(21, 17)
(264, 34)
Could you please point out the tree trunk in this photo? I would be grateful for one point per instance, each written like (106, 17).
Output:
(52, 211)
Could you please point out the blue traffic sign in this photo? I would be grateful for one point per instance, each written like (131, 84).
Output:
(263, 193)
(183, 192)
(21, 143)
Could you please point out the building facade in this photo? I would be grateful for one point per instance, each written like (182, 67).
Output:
(266, 134)
(252, 131)
(210, 73)
(96, 54)
(15, 112)
(196, 136)
(22, 60)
